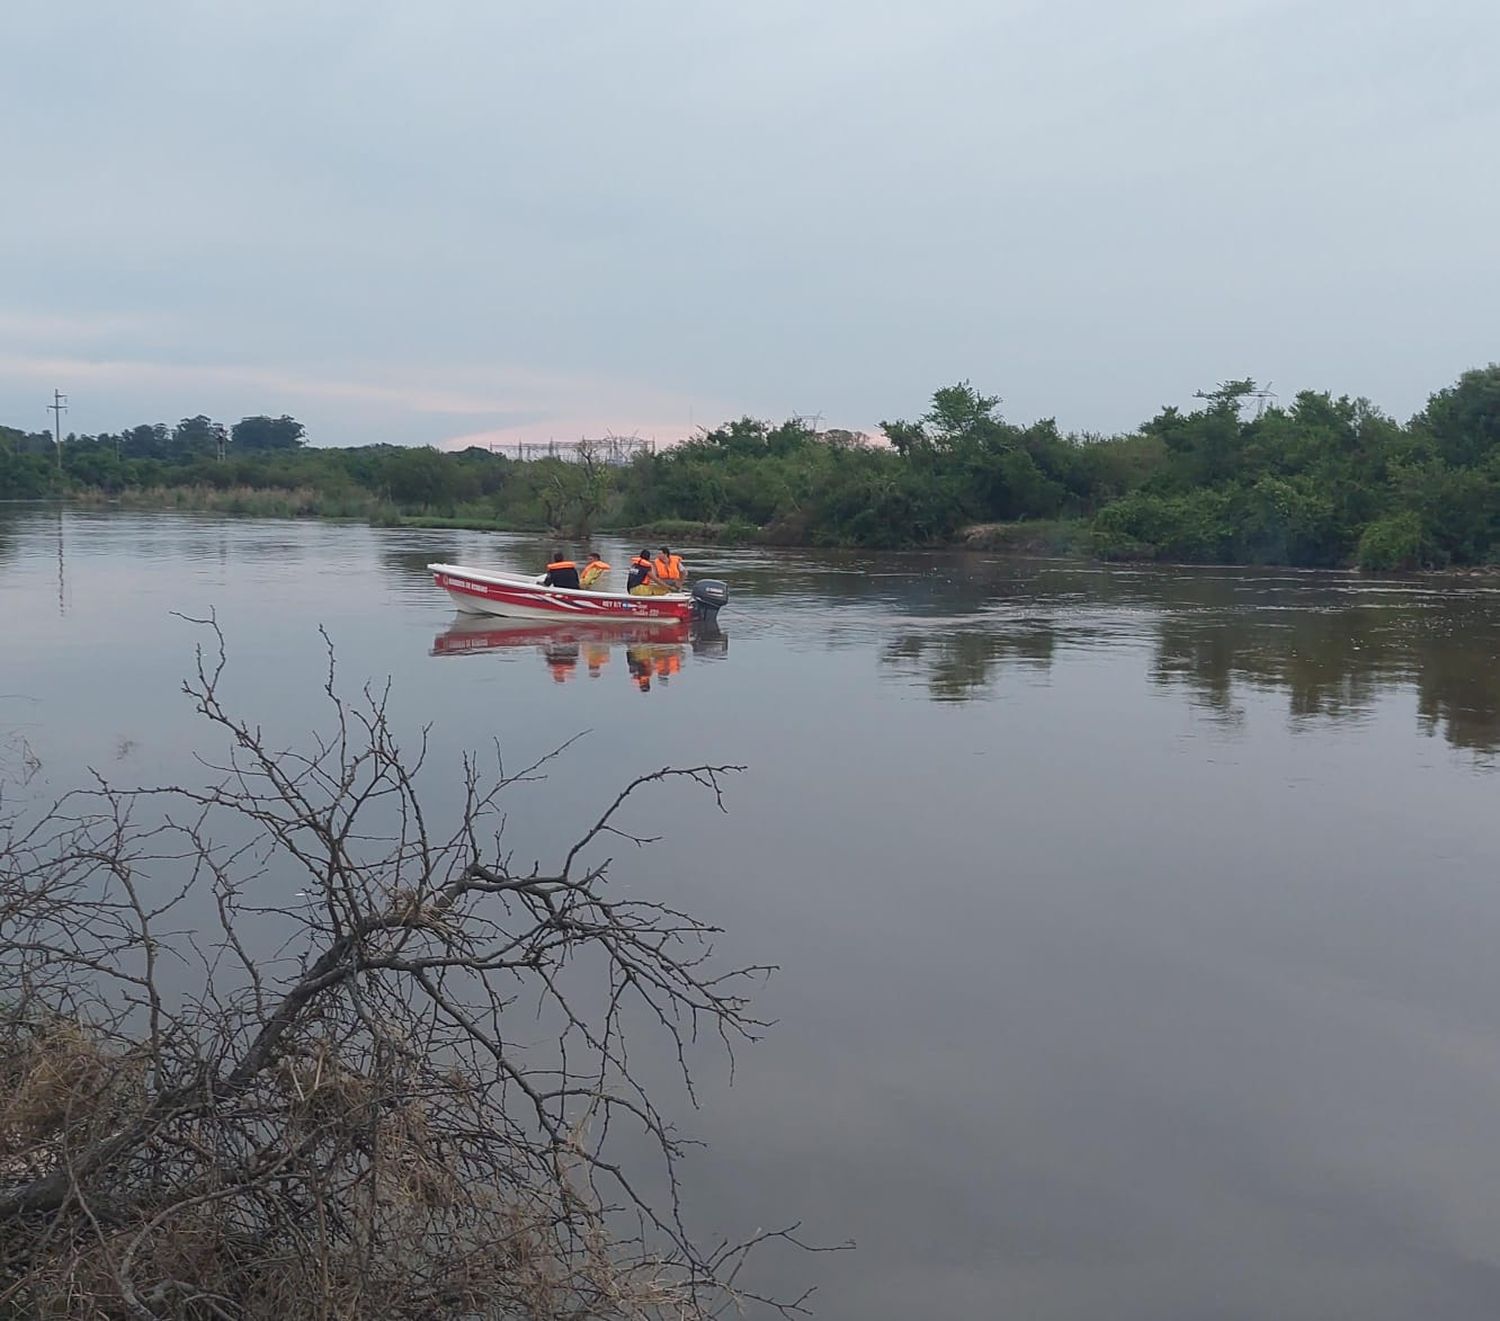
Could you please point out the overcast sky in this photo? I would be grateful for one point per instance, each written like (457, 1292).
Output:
(423, 221)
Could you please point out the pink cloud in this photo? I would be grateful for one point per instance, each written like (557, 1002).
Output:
(557, 405)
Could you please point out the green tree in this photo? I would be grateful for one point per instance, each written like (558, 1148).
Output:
(197, 437)
(261, 433)
(146, 442)
(1464, 419)
(416, 476)
(26, 476)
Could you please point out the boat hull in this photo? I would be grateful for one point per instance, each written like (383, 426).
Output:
(483, 592)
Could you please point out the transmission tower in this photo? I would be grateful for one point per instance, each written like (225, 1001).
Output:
(1262, 396)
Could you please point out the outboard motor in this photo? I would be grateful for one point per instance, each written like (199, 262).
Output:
(709, 596)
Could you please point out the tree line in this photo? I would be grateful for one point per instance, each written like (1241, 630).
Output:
(1322, 480)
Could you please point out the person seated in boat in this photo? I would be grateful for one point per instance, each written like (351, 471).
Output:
(562, 572)
(642, 580)
(594, 570)
(640, 571)
(669, 570)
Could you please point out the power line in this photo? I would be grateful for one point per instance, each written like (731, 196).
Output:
(1261, 396)
(612, 450)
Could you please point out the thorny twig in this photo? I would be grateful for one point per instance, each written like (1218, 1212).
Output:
(359, 1122)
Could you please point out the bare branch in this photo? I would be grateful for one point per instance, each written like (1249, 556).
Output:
(215, 1104)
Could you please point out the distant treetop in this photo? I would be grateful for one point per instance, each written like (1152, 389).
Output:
(268, 433)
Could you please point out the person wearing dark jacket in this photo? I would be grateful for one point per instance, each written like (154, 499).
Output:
(561, 572)
(640, 571)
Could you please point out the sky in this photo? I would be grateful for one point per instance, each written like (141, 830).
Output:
(471, 220)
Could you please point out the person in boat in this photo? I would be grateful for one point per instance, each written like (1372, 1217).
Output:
(669, 570)
(562, 572)
(640, 571)
(593, 570)
(642, 580)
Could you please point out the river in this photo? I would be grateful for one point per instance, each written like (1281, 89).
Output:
(1136, 927)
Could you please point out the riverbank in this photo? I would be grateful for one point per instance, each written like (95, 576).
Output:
(1038, 537)
(1065, 538)
(1026, 537)
(252, 501)
(308, 502)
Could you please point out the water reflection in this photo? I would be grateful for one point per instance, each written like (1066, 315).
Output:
(1163, 1025)
(411, 563)
(1335, 664)
(653, 654)
(709, 641)
(961, 666)
(1334, 646)
(19, 763)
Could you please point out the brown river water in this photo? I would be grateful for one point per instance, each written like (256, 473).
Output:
(1136, 927)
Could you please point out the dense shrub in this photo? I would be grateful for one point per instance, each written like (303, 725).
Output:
(1320, 481)
(1394, 543)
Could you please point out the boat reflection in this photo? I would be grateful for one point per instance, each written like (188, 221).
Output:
(653, 652)
(709, 641)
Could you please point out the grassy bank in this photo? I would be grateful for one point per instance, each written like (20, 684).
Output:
(457, 523)
(1029, 537)
(668, 530)
(293, 502)
(1062, 536)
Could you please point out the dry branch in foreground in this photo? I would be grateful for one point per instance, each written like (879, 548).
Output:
(396, 1099)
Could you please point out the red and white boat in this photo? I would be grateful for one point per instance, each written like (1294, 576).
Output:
(486, 592)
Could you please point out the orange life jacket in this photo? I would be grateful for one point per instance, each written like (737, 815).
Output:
(669, 568)
(644, 566)
(592, 570)
(560, 564)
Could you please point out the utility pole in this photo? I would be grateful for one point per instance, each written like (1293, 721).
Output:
(57, 408)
